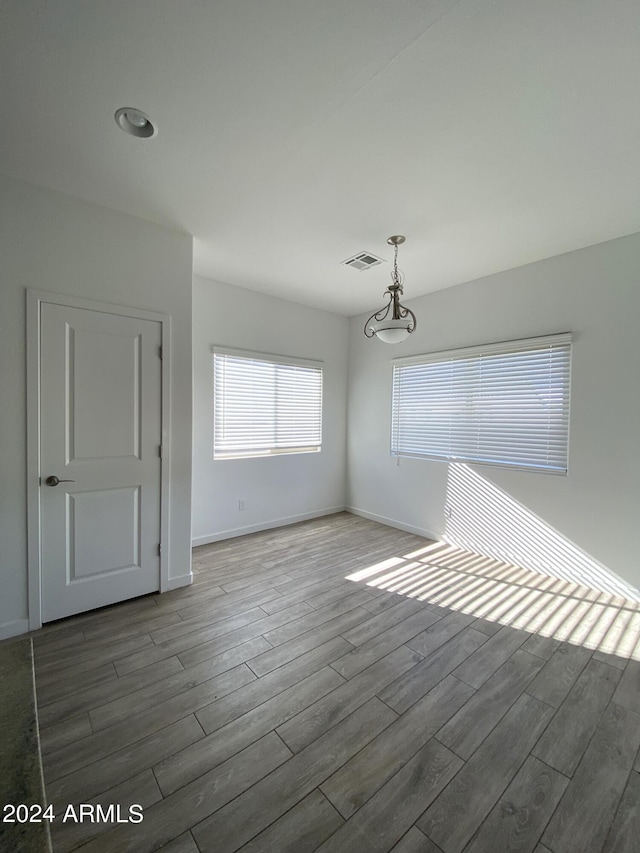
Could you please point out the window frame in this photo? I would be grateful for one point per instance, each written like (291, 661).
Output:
(274, 359)
(524, 346)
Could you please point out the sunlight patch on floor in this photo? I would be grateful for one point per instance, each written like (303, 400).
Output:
(443, 574)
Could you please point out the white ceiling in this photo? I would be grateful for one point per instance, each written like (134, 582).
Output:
(295, 133)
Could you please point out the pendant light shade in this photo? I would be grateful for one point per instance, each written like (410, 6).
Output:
(390, 331)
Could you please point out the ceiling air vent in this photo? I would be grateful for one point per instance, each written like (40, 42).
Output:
(362, 261)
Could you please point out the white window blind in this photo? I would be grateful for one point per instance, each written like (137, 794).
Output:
(265, 405)
(502, 404)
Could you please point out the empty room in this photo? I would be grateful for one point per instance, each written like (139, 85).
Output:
(319, 426)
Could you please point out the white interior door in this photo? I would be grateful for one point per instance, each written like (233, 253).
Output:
(100, 436)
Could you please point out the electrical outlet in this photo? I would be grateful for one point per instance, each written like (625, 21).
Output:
(241, 505)
(448, 511)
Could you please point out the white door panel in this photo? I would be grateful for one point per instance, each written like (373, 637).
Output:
(92, 405)
(100, 420)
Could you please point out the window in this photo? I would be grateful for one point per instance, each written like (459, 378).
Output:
(265, 405)
(502, 404)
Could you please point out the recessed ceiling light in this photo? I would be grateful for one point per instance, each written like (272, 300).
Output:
(135, 122)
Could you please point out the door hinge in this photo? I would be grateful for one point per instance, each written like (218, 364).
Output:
(160, 353)
(159, 549)
(160, 451)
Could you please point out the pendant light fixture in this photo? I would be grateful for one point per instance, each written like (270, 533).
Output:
(393, 322)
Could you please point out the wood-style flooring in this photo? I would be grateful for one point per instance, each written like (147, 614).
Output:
(346, 687)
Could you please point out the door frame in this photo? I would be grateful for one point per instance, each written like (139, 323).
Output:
(34, 299)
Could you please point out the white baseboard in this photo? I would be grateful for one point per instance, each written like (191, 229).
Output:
(12, 629)
(266, 525)
(393, 522)
(181, 580)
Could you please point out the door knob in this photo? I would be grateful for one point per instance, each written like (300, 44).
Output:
(53, 480)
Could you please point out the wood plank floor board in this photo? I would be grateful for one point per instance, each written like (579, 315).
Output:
(50, 648)
(252, 578)
(335, 594)
(347, 638)
(106, 742)
(114, 612)
(357, 780)
(269, 660)
(299, 591)
(54, 687)
(292, 559)
(402, 693)
(587, 809)
(542, 647)
(456, 815)
(202, 651)
(328, 565)
(400, 610)
(358, 597)
(559, 674)
(245, 598)
(301, 830)
(520, 816)
(612, 659)
(570, 732)
(145, 624)
(95, 778)
(415, 841)
(486, 626)
(207, 641)
(324, 578)
(111, 713)
(259, 806)
(318, 617)
(388, 815)
(320, 567)
(628, 690)
(466, 730)
(625, 830)
(381, 602)
(237, 558)
(248, 575)
(193, 761)
(188, 594)
(309, 724)
(438, 634)
(295, 563)
(411, 579)
(88, 658)
(66, 636)
(212, 617)
(481, 665)
(183, 844)
(277, 604)
(172, 816)
(67, 835)
(219, 713)
(65, 732)
(368, 653)
(92, 697)
(447, 588)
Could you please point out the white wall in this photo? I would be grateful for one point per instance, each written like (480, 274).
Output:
(594, 293)
(52, 242)
(280, 489)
